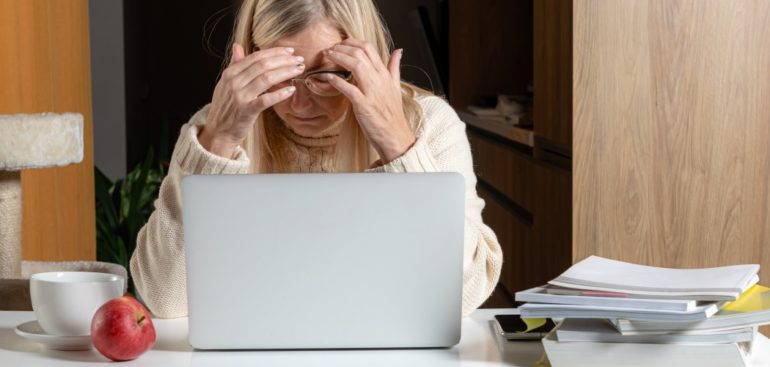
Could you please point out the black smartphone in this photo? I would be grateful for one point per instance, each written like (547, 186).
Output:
(512, 327)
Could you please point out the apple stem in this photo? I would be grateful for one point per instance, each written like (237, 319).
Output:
(140, 319)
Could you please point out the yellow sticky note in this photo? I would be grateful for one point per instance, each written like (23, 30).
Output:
(533, 324)
(757, 298)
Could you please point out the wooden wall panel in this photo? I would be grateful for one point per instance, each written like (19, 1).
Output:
(45, 66)
(672, 124)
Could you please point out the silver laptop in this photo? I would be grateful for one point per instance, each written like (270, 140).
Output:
(316, 261)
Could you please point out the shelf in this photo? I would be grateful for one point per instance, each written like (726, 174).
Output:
(521, 135)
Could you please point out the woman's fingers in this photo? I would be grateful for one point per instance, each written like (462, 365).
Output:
(258, 68)
(367, 47)
(361, 55)
(394, 65)
(363, 60)
(350, 91)
(234, 107)
(237, 66)
(346, 61)
(238, 53)
(265, 81)
(268, 100)
(362, 70)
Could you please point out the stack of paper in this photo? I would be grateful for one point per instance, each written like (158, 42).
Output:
(614, 311)
(710, 284)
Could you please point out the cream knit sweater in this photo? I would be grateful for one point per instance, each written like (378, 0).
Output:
(158, 264)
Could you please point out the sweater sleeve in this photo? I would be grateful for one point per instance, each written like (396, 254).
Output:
(442, 146)
(158, 262)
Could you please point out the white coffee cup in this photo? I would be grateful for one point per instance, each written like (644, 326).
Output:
(64, 302)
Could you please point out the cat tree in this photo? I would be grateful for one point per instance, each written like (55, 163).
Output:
(34, 142)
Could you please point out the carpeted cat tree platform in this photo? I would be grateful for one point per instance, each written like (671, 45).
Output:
(33, 142)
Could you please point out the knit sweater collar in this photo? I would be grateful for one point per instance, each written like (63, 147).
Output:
(325, 138)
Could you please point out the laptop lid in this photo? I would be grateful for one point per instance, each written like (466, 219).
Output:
(306, 261)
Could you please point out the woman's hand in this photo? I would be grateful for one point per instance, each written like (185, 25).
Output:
(242, 94)
(376, 97)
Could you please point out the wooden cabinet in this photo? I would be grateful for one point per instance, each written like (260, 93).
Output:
(669, 164)
(490, 46)
(552, 68)
(552, 223)
(509, 229)
(528, 205)
(526, 184)
(504, 167)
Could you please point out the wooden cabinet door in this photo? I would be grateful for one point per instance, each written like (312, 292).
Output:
(552, 85)
(45, 67)
(528, 206)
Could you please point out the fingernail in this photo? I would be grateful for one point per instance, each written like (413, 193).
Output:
(300, 66)
(400, 52)
(328, 51)
(299, 59)
(290, 50)
(290, 90)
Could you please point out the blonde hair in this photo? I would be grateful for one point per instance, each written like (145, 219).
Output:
(263, 22)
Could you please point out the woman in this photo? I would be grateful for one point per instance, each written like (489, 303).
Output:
(311, 87)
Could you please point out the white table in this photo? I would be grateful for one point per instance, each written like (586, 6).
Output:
(479, 346)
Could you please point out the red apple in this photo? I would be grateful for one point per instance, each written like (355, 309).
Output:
(122, 330)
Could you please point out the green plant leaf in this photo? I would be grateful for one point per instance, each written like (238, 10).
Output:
(123, 254)
(106, 243)
(123, 207)
(137, 187)
(117, 200)
(102, 190)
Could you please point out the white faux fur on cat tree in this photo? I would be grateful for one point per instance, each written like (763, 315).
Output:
(28, 142)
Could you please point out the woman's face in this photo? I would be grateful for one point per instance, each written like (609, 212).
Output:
(307, 113)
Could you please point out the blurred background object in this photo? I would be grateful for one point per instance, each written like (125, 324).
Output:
(29, 142)
(45, 67)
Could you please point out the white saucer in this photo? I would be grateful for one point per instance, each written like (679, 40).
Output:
(31, 330)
